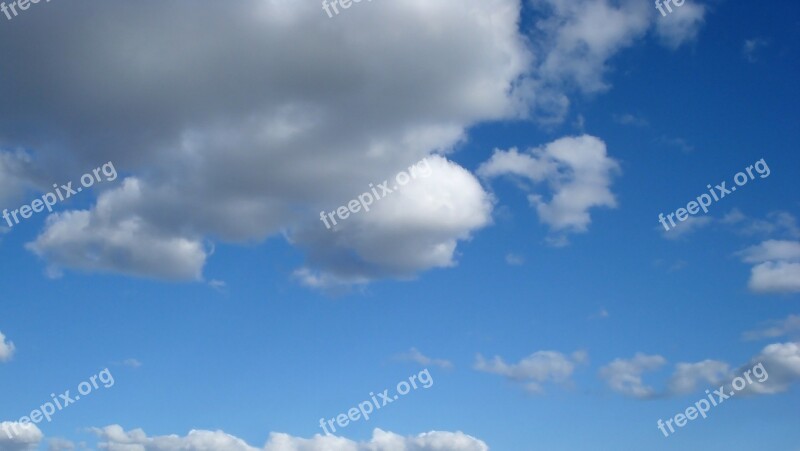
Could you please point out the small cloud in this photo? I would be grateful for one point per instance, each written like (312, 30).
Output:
(413, 355)
(536, 369)
(218, 285)
(777, 266)
(515, 260)
(682, 229)
(7, 348)
(602, 314)
(630, 119)
(132, 363)
(751, 47)
(679, 143)
(775, 329)
(625, 375)
(59, 444)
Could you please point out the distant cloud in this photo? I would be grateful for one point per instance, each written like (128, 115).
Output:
(536, 369)
(6, 348)
(629, 119)
(775, 329)
(577, 171)
(413, 355)
(624, 376)
(681, 25)
(777, 266)
(687, 375)
(687, 227)
(679, 143)
(515, 260)
(751, 47)
(132, 363)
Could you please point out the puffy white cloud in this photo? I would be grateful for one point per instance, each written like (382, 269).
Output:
(19, 437)
(625, 375)
(534, 370)
(226, 133)
(7, 348)
(771, 250)
(577, 170)
(114, 438)
(781, 364)
(777, 268)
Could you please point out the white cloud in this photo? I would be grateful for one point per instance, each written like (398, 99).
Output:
(413, 355)
(7, 348)
(536, 369)
(781, 362)
(256, 147)
(751, 47)
(684, 228)
(253, 148)
(114, 438)
(681, 25)
(687, 375)
(132, 363)
(19, 437)
(774, 329)
(630, 119)
(625, 375)
(515, 259)
(578, 172)
(777, 266)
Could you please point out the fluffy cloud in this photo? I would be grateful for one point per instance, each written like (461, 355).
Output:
(115, 438)
(777, 266)
(535, 369)
(226, 133)
(577, 170)
(6, 348)
(19, 437)
(781, 361)
(625, 375)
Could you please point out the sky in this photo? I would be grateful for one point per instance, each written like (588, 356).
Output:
(560, 225)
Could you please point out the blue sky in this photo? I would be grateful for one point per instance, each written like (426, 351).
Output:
(528, 272)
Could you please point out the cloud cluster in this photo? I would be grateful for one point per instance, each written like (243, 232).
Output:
(781, 361)
(227, 134)
(115, 438)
